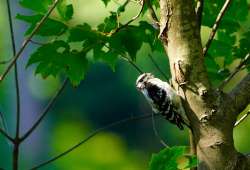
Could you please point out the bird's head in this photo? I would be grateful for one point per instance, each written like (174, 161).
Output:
(142, 80)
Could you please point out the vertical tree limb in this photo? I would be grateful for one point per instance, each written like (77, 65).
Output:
(16, 139)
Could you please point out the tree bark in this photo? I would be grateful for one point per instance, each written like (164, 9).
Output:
(212, 113)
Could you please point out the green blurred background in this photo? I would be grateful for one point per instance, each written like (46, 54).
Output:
(103, 97)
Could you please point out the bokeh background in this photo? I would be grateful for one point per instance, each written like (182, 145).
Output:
(103, 97)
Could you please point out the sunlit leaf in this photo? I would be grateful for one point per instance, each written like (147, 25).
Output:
(110, 23)
(167, 159)
(65, 10)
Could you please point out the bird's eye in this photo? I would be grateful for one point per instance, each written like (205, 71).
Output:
(141, 80)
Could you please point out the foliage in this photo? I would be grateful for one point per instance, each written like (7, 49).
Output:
(58, 56)
(173, 158)
(231, 41)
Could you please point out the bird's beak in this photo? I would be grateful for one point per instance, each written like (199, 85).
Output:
(139, 86)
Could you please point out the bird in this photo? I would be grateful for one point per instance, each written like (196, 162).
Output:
(162, 98)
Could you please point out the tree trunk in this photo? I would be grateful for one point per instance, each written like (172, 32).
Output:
(211, 112)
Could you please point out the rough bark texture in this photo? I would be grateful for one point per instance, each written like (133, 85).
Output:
(212, 113)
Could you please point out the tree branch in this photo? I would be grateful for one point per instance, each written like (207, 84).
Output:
(94, 133)
(237, 69)
(6, 135)
(26, 41)
(152, 14)
(45, 111)
(5, 62)
(240, 94)
(216, 25)
(199, 9)
(242, 118)
(16, 139)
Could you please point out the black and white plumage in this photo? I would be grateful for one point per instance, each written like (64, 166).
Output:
(162, 97)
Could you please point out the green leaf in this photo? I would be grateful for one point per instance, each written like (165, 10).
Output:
(56, 57)
(243, 48)
(51, 27)
(65, 10)
(150, 35)
(110, 23)
(106, 2)
(83, 32)
(238, 11)
(167, 159)
(193, 161)
(109, 57)
(130, 39)
(40, 6)
(154, 3)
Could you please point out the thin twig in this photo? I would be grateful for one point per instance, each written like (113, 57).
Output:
(26, 41)
(242, 118)
(129, 22)
(6, 135)
(36, 42)
(5, 62)
(152, 15)
(45, 111)
(216, 25)
(16, 71)
(157, 67)
(156, 132)
(16, 139)
(94, 133)
(3, 122)
(125, 57)
(236, 70)
(199, 10)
